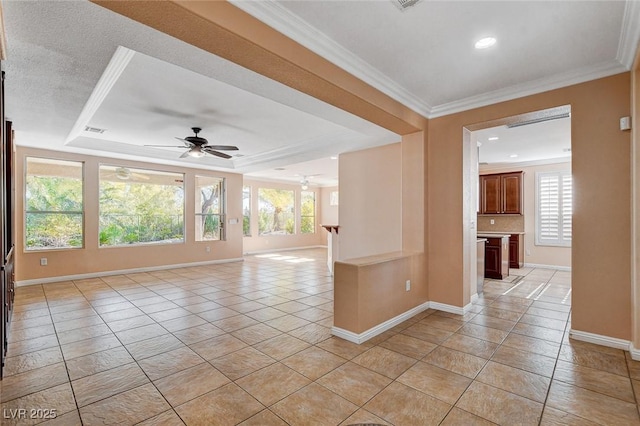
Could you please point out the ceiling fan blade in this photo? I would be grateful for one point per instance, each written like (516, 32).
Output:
(223, 147)
(185, 155)
(186, 142)
(208, 150)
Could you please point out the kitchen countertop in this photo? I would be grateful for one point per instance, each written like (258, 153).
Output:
(500, 232)
(493, 235)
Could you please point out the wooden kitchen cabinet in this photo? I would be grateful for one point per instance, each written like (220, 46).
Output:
(496, 257)
(516, 251)
(501, 193)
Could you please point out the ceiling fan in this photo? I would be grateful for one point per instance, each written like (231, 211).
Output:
(198, 146)
(122, 173)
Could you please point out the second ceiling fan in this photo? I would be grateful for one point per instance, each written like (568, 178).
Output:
(198, 146)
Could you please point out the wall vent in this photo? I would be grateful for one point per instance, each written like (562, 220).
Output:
(94, 129)
(539, 120)
(404, 4)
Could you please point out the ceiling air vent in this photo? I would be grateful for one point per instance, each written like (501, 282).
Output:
(404, 4)
(94, 129)
(539, 120)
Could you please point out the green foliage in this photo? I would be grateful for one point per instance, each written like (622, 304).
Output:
(275, 212)
(246, 226)
(135, 212)
(54, 212)
(307, 213)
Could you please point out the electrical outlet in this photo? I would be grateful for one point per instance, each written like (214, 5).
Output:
(207, 249)
(493, 222)
(528, 252)
(43, 261)
(407, 285)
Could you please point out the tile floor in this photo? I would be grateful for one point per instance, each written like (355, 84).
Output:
(249, 343)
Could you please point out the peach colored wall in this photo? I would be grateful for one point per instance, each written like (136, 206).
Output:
(371, 290)
(93, 259)
(534, 254)
(413, 209)
(257, 243)
(601, 222)
(635, 159)
(328, 213)
(370, 205)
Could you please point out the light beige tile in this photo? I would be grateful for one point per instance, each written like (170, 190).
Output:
(256, 333)
(591, 405)
(264, 418)
(402, 405)
(100, 361)
(218, 346)
(435, 381)
(342, 347)
(313, 362)
(272, 383)
(154, 346)
(471, 345)
(125, 324)
(384, 361)
(363, 417)
(90, 346)
(128, 407)
(168, 418)
(108, 383)
(133, 335)
(282, 346)
(484, 333)
(538, 332)
(32, 345)
(354, 383)
(524, 360)
(314, 404)
(612, 361)
(43, 405)
(408, 346)
(499, 406)
(32, 381)
(492, 322)
(531, 344)
(458, 417)
(71, 418)
(427, 333)
(455, 361)
(167, 363)
(554, 417)
(32, 360)
(311, 333)
(234, 323)
(197, 334)
(228, 405)
(514, 380)
(241, 363)
(191, 383)
(595, 380)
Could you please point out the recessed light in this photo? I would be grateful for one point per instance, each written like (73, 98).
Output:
(279, 168)
(334, 158)
(493, 138)
(485, 43)
(513, 156)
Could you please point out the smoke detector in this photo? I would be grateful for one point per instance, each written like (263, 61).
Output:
(404, 4)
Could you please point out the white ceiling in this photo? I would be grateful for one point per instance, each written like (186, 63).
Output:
(75, 64)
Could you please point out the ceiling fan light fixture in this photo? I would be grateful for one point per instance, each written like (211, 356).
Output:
(196, 152)
(485, 43)
(123, 173)
(304, 185)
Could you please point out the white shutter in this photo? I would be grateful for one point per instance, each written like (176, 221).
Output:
(553, 212)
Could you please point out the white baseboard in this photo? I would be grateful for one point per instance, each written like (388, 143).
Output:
(283, 249)
(601, 340)
(635, 353)
(378, 329)
(556, 267)
(36, 281)
(448, 308)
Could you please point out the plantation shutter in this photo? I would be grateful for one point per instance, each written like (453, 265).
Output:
(554, 208)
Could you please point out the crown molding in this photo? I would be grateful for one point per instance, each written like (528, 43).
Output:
(110, 76)
(630, 34)
(291, 25)
(529, 88)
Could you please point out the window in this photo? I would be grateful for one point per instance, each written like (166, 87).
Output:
(246, 211)
(140, 206)
(308, 212)
(275, 211)
(209, 208)
(554, 208)
(53, 204)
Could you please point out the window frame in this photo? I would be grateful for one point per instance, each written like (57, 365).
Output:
(25, 248)
(314, 216)
(222, 215)
(560, 241)
(250, 233)
(149, 243)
